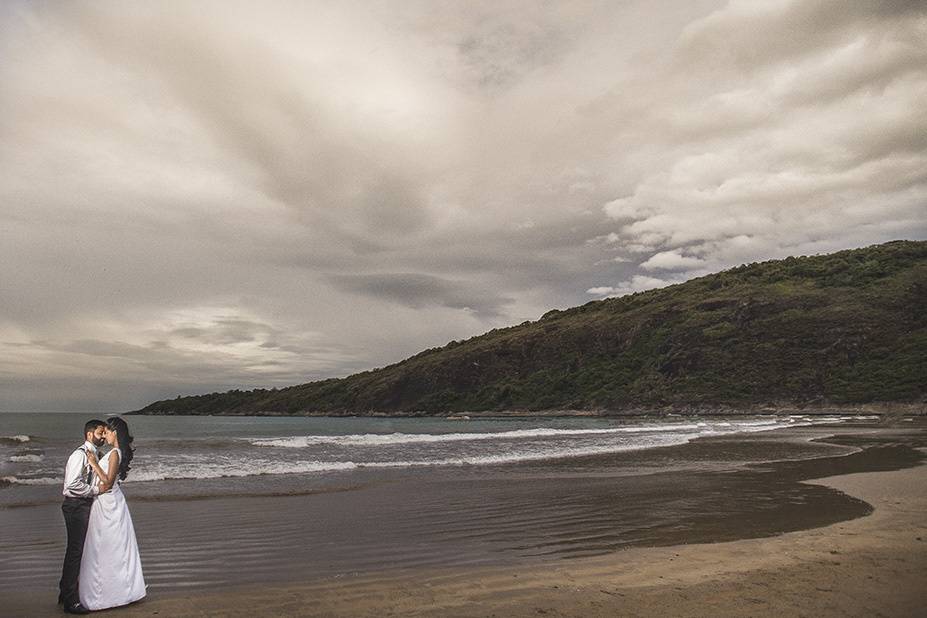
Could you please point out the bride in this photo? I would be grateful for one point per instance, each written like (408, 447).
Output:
(110, 570)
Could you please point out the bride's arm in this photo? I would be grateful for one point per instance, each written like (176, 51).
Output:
(109, 477)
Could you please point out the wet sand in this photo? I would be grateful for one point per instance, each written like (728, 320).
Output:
(872, 566)
(852, 561)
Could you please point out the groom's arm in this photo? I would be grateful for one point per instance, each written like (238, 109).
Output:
(74, 483)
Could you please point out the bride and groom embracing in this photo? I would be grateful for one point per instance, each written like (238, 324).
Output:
(101, 568)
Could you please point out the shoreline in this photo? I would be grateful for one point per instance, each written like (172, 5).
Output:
(631, 577)
(570, 531)
(871, 565)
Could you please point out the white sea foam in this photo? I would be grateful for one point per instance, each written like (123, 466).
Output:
(209, 468)
(375, 439)
(462, 449)
(529, 456)
(27, 458)
(37, 481)
(15, 438)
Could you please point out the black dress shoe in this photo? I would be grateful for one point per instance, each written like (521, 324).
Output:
(76, 608)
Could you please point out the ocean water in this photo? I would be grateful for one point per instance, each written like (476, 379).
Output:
(295, 498)
(288, 452)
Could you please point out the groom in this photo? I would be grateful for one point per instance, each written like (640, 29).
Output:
(79, 490)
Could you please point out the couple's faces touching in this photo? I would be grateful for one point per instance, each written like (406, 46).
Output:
(98, 436)
(103, 434)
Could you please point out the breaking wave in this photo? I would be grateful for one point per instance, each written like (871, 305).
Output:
(14, 480)
(27, 458)
(376, 439)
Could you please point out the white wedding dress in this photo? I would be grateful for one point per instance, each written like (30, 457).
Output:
(110, 570)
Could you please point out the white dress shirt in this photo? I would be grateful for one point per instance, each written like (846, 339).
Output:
(75, 474)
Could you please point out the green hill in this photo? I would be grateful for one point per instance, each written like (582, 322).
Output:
(845, 328)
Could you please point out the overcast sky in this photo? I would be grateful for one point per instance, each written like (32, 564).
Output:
(198, 196)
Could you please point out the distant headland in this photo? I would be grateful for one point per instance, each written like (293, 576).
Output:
(843, 331)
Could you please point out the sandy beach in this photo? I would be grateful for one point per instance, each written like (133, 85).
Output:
(838, 535)
(871, 566)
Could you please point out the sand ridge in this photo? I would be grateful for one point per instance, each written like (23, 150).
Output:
(871, 566)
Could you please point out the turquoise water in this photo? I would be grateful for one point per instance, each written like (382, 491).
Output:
(319, 497)
(224, 452)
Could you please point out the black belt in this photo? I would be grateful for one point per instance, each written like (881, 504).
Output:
(82, 499)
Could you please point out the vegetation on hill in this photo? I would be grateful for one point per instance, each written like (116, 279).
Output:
(850, 327)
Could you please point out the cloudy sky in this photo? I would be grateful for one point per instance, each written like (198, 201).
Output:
(207, 195)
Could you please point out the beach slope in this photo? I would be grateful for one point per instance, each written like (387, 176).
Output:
(871, 566)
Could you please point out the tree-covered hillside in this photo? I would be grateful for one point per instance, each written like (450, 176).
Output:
(849, 327)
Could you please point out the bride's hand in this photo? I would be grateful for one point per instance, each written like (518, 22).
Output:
(91, 457)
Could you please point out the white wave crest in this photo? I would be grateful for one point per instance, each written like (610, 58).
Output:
(376, 439)
(15, 438)
(246, 467)
(482, 460)
(30, 458)
(208, 469)
(13, 480)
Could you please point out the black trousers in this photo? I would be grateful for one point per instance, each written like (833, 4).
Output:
(76, 515)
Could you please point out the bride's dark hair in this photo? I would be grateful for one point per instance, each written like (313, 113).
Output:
(125, 444)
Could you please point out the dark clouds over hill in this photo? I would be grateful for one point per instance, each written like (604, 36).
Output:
(211, 195)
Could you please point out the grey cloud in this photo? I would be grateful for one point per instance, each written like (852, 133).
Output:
(163, 367)
(500, 53)
(418, 290)
(804, 127)
(213, 195)
(271, 109)
(492, 46)
(753, 35)
(227, 331)
(393, 205)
